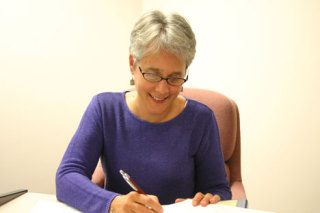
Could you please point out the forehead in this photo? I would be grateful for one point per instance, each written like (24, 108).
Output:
(165, 62)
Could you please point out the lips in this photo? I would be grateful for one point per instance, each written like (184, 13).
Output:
(158, 99)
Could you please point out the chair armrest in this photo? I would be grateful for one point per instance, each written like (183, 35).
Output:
(237, 190)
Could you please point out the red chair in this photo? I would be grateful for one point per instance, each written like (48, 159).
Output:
(227, 115)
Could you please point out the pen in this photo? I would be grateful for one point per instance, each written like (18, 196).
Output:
(131, 182)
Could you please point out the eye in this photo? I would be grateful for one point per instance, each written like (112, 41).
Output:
(176, 80)
(176, 75)
(152, 76)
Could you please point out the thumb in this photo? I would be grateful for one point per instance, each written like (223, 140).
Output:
(178, 200)
(154, 198)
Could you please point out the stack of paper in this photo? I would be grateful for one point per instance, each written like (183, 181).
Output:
(186, 207)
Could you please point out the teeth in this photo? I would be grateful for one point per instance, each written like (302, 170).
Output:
(157, 99)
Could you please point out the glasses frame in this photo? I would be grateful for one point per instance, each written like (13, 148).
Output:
(162, 78)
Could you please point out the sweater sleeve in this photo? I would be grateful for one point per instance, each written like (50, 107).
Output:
(73, 178)
(210, 171)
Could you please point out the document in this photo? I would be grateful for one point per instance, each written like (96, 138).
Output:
(186, 207)
(49, 206)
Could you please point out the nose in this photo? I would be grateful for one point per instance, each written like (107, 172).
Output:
(162, 87)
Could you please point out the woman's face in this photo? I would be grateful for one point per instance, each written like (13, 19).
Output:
(157, 99)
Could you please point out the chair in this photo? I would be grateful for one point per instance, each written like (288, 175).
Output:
(227, 115)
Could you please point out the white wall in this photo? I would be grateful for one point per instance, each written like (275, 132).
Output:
(54, 55)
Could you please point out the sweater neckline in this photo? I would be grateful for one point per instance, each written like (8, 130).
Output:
(175, 119)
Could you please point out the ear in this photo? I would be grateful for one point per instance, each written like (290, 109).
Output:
(131, 63)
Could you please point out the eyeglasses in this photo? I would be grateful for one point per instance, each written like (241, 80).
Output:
(152, 77)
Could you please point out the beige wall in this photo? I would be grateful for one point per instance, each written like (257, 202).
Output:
(266, 56)
(54, 55)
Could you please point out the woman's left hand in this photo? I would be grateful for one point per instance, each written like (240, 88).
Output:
(202, 199)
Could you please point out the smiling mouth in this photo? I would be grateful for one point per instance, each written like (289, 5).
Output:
(157, 99)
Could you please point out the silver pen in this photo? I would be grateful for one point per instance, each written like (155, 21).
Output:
(131, 182)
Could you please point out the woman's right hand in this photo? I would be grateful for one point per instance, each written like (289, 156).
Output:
(135, 202)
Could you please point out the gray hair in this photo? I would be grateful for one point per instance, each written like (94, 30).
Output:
(154, 32)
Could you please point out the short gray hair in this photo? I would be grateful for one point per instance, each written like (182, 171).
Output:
(154, 32)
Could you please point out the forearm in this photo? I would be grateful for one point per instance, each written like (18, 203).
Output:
(79, 192)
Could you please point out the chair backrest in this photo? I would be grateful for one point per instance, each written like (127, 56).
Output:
(227, 115)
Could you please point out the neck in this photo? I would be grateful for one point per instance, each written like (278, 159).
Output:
(132, 101)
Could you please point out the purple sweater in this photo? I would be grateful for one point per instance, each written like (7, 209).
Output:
(173, 159)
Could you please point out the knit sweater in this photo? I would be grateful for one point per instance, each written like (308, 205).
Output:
(172, 159)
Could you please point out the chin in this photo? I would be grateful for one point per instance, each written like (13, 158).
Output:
(159, 107)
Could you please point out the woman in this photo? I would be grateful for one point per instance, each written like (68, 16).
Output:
(168, 144)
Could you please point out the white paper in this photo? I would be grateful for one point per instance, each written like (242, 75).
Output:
(52, 207)
(186, 207)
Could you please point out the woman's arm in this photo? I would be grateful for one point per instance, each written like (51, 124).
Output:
(73, 185)
(210, 171)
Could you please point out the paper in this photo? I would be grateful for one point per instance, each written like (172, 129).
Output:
(229, 202)
(182, 207)
(52, 207)
(186, 207)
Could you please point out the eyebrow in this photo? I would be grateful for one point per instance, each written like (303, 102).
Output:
(157, 70)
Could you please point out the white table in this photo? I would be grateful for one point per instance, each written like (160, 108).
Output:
(34, 202)
(48, 203)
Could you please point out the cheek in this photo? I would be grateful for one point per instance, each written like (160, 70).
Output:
(175, 90)
(141, 85)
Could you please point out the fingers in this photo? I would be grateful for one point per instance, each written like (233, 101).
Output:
(153, 202)
(204, 200)
(143, 203)
(197, 198)
(215, 199)
(178, 200)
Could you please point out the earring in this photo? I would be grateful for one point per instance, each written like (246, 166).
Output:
(132, 81)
